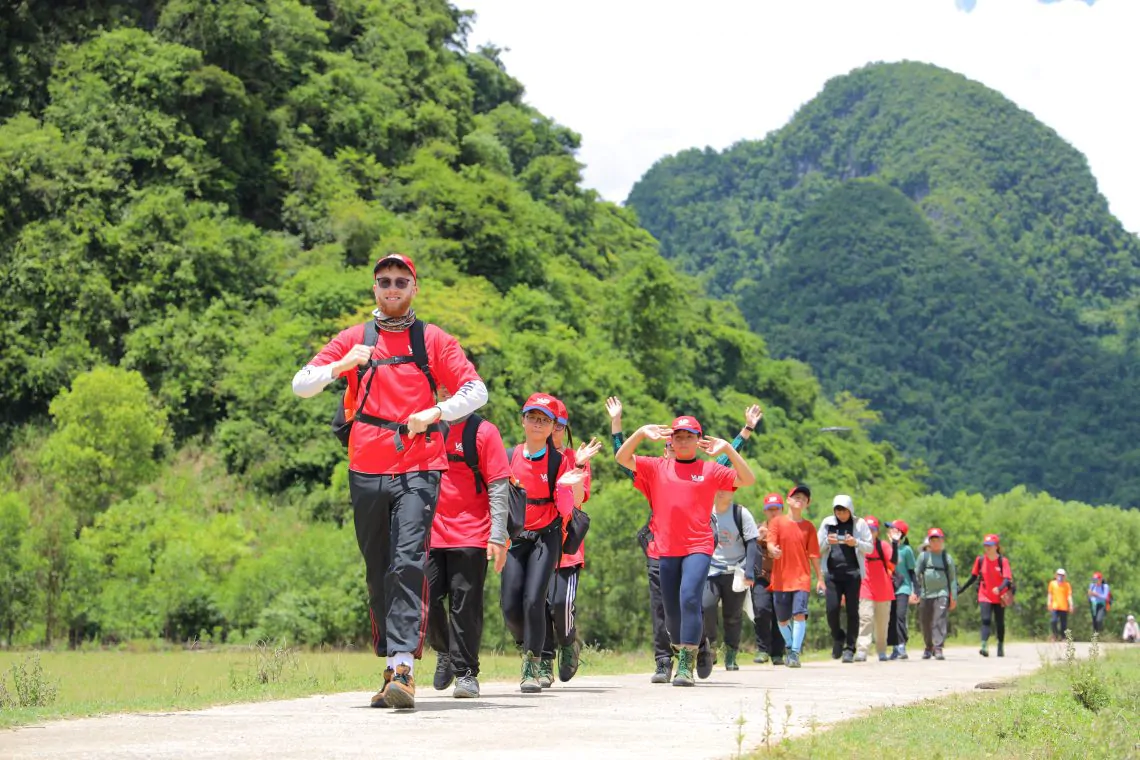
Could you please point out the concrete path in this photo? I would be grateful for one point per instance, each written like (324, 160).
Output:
(587, 718)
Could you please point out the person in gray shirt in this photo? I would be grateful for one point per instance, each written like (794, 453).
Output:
(736, 535)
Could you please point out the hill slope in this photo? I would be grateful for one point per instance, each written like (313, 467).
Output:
(994, 226)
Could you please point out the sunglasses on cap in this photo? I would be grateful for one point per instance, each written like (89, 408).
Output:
(400, 283)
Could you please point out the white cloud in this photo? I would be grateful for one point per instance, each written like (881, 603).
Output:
(643, 79)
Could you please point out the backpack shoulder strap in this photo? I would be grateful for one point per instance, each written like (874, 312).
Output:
(419, 352)
(553, 465)
(471, 449)
(738, 516)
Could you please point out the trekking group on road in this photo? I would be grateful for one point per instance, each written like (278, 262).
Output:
(438, 497)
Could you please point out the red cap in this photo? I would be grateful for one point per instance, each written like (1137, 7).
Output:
(900, 525)
(687, 423)
(561, 415)
(395, 258)
(1098, 576)
(543, 402)
(773, 501)
(991, 539)
(872, 521)
(935, 533)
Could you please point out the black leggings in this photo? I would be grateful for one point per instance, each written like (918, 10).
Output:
(997, 613)
(526, 578)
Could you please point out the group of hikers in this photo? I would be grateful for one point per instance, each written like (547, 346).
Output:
(438, 497)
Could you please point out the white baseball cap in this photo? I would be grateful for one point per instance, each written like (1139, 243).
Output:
(1060, 571)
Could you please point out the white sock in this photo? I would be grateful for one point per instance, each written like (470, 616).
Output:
(404, 658)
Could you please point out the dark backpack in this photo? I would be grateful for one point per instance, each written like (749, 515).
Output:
(471, 451)
(343, 421)
(519, 499)
(737, 517)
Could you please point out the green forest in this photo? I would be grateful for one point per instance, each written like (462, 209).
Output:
(986, 304)
(191, 193)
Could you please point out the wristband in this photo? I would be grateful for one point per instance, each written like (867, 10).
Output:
(750, 429)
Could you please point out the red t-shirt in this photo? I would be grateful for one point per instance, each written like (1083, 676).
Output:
(533, 475)
(578, 558)
(878, 584)
(798, 543)
(463, 517)
(398, 391)
(681, 498)
(991, 577)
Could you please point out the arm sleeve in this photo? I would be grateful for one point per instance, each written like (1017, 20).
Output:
(471, 396)
(619, 439)
(751, 553)
(953, 574)
(864, 542)
(895, 553)
(967, 584)
(919, 575)
(317, 374)
(821, 539)
(751, 532)
(498, 491)
(310, 380)
(723, 459)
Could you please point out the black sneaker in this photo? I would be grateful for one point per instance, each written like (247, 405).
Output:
(927, 654)
(568, 661)
(777, 660)
(705, 660)
(836, 650)
(664, 672)
(444, 673)
(1001, 649)
(466, 687)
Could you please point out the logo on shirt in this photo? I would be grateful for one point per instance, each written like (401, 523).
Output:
(698, 478)
(459, 448)
(545, 479)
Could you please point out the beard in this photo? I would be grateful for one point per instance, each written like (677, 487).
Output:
(394, 309)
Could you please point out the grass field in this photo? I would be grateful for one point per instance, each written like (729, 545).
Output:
(1039, 716)
(101, 682)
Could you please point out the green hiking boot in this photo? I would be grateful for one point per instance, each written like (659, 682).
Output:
(985, 650)
(546, 672)
(686, 657)
(529, 683)
(730, 659)
(568, 661)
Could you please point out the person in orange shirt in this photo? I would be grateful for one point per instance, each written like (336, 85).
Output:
(794, 545)
(1060, 601)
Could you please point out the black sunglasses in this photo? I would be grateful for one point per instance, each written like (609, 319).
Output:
(401, 283)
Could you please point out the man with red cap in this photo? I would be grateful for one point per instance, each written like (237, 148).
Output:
(937, 588)
(681, 490)
(396, 454)
(995, 581)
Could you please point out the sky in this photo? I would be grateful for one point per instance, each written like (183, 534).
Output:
(640, 80)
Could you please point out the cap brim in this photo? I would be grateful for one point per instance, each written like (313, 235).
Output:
(542, 409)
(694, 431)
(989, 543)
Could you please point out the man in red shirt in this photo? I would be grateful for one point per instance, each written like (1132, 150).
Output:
(681, 490)
(396, 455)
(469, 529)
(793, 543)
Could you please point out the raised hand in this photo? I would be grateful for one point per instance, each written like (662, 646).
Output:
(572, 477)
(753, 415)
(713, 446)
(657, 432)
(613, 406)
(586, 451)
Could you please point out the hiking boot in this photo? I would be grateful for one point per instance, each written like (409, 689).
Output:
(568, 661)
(836, 650)
(444, 673)
(793, 659)
(894, 654)
(730, 659)
(938, 653)
(529, 683)
(848, 656)
(861, 657)
(1001, 649)
(777, 660)
(927, 654)
(378, 699)
(466, 687)
(664, 671)
(401, 693)
(883, 657)
(985, 650)
(903, 655)
(761, 658)
(685, 658)
(706, 658)
(546, 672)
